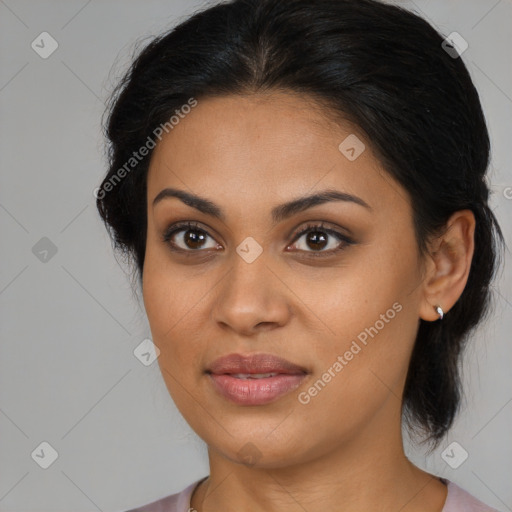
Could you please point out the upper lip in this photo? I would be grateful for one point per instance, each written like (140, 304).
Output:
(253, 363)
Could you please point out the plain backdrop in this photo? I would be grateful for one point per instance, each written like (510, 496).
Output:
(69, 321)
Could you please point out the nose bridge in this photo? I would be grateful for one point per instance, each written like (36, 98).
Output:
(249, 277)
(251, 293)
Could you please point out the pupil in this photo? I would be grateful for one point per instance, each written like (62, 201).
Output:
(317, 237)
(192, 237)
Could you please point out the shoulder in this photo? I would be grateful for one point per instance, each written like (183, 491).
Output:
(179, 502)
(460, 500)
(457, 500)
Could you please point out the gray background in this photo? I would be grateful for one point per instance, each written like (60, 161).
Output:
(69, 325)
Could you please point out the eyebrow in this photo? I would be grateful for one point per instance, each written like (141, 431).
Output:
(278, 213)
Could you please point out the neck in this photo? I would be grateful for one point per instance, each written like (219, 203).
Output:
(368, 471)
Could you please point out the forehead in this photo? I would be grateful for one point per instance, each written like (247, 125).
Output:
(273, 146)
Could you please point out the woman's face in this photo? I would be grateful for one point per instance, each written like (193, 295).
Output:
(245, 282)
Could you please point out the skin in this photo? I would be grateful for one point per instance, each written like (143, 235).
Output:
(343, 449)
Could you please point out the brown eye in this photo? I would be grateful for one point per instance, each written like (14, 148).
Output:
(317, 238)
(193, 239)
(187, 237)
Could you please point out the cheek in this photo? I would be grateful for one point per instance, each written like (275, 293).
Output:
(159, 302)
(167, 298)
(167, 308)
(356, 375)
(175, 306)
(370, 315)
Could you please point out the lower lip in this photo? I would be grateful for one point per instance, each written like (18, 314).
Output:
(255, 391)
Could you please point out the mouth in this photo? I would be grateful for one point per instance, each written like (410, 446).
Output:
(245, 376)
(253, 364)
(256, 379)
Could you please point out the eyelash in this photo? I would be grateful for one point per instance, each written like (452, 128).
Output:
(185, 226)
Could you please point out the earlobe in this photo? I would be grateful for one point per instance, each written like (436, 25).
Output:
(450, 263)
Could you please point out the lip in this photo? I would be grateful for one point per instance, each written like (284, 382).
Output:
(254, 391)
(253, 363)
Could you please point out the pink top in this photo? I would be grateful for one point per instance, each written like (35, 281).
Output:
(457, 500)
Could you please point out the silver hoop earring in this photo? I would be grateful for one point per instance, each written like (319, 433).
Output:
(439, 311)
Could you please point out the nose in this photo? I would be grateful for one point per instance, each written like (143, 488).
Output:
(251, 298)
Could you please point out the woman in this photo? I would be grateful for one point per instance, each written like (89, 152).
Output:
(301, 187)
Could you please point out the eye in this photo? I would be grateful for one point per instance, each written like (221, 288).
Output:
(192, 238)
(318, 238)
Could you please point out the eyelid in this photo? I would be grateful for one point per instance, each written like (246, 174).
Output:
(321, 225)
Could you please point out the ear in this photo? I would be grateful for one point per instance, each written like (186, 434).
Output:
(448, 265)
